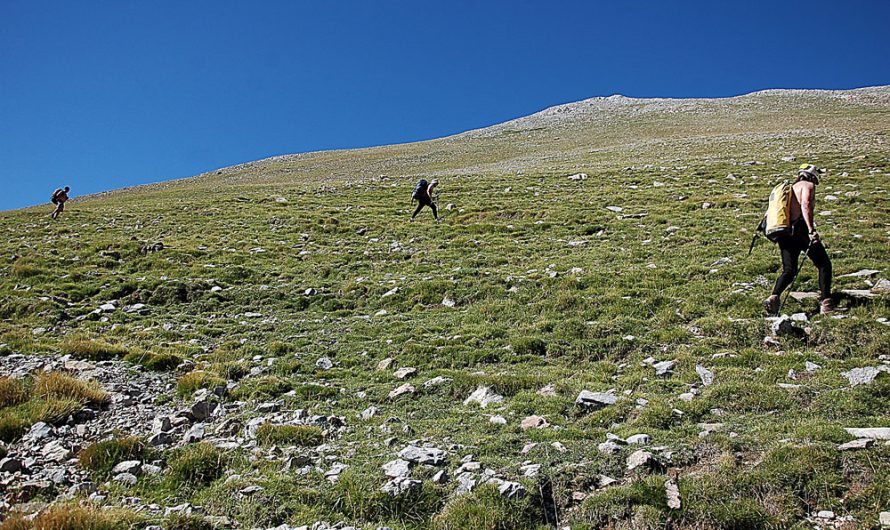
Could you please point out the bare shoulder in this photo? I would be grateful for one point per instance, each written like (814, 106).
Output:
(804, 186)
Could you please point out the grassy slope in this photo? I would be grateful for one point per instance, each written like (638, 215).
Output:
(343, 232)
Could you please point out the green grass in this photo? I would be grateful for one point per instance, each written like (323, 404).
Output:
(550, 288)
(101, 457)
(189, 383)
(197, 465)
(299, 435)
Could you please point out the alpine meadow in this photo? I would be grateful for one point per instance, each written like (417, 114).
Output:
(579, 343)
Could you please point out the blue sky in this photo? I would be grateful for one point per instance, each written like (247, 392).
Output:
(101, 95)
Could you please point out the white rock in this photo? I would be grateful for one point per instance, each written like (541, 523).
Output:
(595, 400)
(706, 376)
(423, 455)
(875, 433)
(407, 388)
(484, 396)
(397, 468)
(639, 439)
(402, 373)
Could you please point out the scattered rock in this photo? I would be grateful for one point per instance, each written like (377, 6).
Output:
(642, 458)
(133, 467)
(423, 455)
(548, 390)
(436, 381)
(533, 422)
(11, 465)
(672, 491)
(407, 388)
(864, 376)
(706, 376)
(397, 468)
(484, 396)
(861, 443)
(664, 368)
(403, 373)
(385, 364)
(639, 439)
(400, 485)
(324, 363)
(595, 400)
(874, 433)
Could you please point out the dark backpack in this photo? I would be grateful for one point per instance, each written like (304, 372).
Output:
(419, 189)
(53, 198)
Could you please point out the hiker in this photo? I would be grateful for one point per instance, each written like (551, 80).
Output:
(59, 197)
(423, 193)
(803, 238)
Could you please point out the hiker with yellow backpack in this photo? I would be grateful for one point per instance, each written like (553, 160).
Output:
(789, 223)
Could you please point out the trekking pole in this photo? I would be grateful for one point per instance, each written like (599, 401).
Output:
(799, 268)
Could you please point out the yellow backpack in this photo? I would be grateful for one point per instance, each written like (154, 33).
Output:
(777, 220)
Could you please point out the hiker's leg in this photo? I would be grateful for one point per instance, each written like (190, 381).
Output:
(435, 210)
(417, 211)
(790, 255)
(822, 262)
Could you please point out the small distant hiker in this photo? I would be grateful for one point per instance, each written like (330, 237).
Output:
(59, 198)
(802, 237)
(423, 194)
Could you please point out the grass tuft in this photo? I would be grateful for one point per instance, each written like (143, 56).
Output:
(299, 435)
(101, 457)
(197, 465)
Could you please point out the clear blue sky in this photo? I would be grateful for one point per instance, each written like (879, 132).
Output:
(100, 95)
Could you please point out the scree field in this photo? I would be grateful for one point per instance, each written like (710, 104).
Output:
(275, 344)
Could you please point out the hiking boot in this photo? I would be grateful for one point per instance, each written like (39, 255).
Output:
(827, 306)
(771, 305)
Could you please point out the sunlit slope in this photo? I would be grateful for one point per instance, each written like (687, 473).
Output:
(328, 335)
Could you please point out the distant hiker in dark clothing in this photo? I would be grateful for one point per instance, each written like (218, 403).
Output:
(59, 198)
(803, 238)
(423, 193)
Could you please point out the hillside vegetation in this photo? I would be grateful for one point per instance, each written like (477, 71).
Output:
(279, 346)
